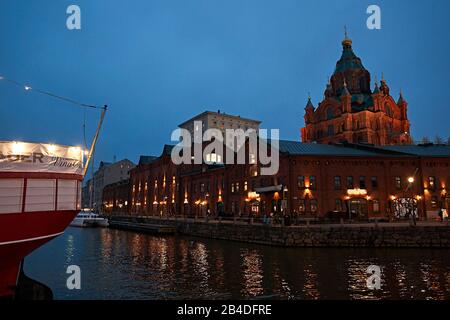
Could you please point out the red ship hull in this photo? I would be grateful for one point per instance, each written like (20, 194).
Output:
(20, 234)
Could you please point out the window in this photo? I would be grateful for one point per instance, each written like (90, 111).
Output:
(376, 206)
(237, 186)
(313, 204)
(338, 205)
(213, 158)
(330, 130)
(232, 188)
(67, 195)
(301, 181)
(202, 187)
(362, 182)
(312, 182)
(374, 182)
(301, 206)
(11, 192)
(40, 195)
(398, 182)
(330, 113)
(245, 186)
(434, 202)
(349, 182)
(252, 158)
(432, 183)
(337, 183)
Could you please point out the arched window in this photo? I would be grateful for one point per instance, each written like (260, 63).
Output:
(362, 84)
(330, 114)
(388, 110)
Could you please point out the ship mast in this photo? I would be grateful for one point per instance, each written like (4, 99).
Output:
(94, 141)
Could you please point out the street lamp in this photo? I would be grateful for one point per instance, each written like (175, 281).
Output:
(411, 181)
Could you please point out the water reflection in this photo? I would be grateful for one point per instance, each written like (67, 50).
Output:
(125, 265)
(252, 273)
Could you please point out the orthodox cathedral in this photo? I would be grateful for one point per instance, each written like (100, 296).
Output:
(352, 112)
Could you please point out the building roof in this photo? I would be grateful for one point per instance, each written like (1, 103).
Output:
(217, 114)
(362, 150)
(147, 159)
(348, 61)
(300, 148)
(167, 150)
(429, 150)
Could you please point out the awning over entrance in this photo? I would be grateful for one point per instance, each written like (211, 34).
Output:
(269, 189)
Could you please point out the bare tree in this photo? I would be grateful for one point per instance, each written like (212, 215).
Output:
(448, 141)
(438, 140)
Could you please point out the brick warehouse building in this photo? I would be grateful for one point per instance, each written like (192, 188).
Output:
(314, 180)
(355, 162)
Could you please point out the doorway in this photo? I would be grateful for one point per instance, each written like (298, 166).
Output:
(357, 208)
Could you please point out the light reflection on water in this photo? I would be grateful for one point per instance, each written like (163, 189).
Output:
(125, 265)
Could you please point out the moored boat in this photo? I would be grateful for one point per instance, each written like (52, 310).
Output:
(39, 196)
(88, 219)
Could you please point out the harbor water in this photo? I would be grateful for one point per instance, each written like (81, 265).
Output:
(117, 264)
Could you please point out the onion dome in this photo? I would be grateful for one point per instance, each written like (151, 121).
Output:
(349, 60)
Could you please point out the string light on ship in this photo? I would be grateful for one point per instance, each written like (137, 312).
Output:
(48, 93)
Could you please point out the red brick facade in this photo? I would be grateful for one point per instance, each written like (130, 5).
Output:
(319, 181)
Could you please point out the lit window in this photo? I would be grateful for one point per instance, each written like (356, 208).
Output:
(337, 183)
(312, 182)
(301, 206)
(350, 182)
(398, 182)
(376, 206)
(432, 183)
(313, 204)
(301, 181)
(434, 202)
(338, 205)
(245, 186)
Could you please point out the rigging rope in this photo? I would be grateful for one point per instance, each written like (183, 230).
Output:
(69, 100)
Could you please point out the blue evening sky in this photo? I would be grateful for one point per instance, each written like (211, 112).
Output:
(158, 62)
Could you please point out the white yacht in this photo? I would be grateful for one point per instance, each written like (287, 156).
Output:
(89, 220)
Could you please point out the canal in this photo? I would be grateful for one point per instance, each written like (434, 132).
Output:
(126, 265)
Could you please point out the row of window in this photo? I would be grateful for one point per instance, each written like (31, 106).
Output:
(361, 183)
(40, 195)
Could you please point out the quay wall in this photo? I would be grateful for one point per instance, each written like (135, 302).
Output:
(361, 235)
